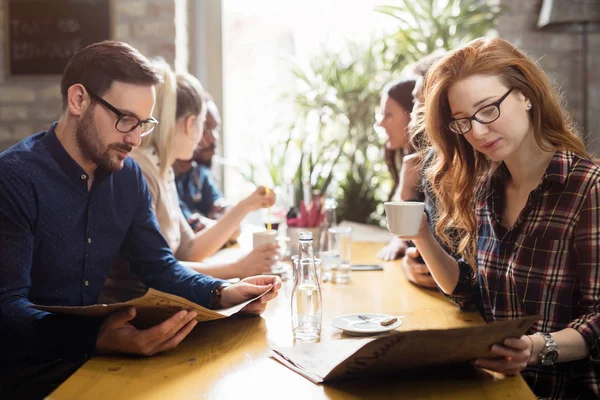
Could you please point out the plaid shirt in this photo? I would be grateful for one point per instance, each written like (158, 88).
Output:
(547, 264)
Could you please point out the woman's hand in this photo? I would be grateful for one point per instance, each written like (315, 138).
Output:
(394, 250)
(259, 261)
(513, 356)
(259, 199)
(416, 271)
(424, 230)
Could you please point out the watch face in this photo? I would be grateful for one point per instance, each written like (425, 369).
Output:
(552, 355)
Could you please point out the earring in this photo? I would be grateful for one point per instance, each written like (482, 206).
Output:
(529, 106)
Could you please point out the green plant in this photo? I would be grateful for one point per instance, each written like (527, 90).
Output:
(362, 189)
(336, 97)
(425, 26)
(331, 143)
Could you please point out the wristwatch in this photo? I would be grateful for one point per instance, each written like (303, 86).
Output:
(549, 353)
(215, 295)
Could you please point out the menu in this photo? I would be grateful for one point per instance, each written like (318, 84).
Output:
(357, 358)
(152, 308)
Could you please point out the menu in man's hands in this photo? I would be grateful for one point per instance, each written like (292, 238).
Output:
(152, 308)
(355, 358)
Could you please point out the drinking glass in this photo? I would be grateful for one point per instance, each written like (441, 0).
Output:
(339, 254)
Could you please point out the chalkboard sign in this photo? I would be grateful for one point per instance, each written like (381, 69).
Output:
(44, 34)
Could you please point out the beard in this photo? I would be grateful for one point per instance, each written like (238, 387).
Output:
(88, 140)
(205, 162)
(204, 155)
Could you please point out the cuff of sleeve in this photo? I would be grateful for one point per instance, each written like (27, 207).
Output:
(589, 327)
(467, 287)
(79, 335)
(204, 292)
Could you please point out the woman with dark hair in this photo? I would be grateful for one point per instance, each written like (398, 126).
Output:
(396, 105)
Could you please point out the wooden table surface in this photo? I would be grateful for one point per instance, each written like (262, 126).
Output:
(229, 359)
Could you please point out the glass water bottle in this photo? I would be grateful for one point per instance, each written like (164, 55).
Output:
(306, 295)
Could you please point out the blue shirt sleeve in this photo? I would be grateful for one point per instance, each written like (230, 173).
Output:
(27, 333)
(151, 258)
(185, 209)
(210, 190)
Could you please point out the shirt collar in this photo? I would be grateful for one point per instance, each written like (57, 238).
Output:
(67, 164)
(558, 170)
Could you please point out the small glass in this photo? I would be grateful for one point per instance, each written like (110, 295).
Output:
(339, 255)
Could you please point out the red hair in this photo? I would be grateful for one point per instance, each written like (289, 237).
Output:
(459, 175)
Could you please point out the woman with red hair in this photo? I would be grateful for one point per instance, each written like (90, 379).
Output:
(518, 196)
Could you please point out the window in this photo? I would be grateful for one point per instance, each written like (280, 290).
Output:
(258, 36)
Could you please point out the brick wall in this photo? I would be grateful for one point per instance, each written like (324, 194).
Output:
(30, 104)
(559, 54)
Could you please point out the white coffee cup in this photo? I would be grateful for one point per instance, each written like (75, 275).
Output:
(404, 217)
(261, 238)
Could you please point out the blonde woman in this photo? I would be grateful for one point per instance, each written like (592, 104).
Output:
(181, 110)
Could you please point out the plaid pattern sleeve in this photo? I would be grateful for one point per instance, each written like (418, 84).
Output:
(546, 264)
(466, 294)
(587, 247)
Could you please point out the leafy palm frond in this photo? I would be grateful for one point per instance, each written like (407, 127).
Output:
(425, 26)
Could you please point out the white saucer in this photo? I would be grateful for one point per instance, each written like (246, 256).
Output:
(353, 325)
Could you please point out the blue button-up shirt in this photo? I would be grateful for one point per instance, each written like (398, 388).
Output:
(197, 191)
(58, 241)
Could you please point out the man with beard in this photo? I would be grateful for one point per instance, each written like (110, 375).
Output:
(199, 197)
(71, 201)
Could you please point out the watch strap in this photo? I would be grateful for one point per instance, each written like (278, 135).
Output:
(550, 347)
(215, 295)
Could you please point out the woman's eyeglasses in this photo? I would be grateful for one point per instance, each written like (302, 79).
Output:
(485, 115)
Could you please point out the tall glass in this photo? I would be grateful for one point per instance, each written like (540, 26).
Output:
(339, 255)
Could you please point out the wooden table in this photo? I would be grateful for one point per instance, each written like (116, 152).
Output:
(229, 359)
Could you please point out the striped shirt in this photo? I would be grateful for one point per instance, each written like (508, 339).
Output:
(546, 264)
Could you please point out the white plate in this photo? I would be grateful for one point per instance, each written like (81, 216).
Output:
(354, 325)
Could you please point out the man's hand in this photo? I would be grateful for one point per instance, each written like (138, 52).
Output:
(218, 209)
(415, 271)
(251, 287)
(195, 222)
(117, 335)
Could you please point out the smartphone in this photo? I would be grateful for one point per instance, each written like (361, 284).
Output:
(367, 267)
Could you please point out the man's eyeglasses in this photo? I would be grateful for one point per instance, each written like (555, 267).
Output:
(126, 123)
(485, 115)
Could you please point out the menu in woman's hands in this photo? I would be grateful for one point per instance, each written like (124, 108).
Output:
(152, 308)
(356, 358)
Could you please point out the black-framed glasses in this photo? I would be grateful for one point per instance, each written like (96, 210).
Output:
(125, 122)
(485, 115)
